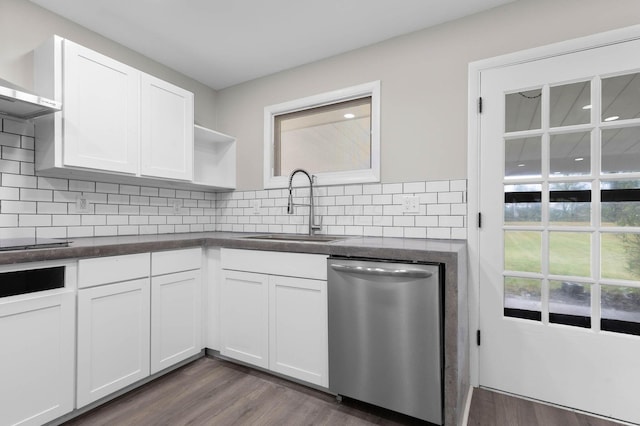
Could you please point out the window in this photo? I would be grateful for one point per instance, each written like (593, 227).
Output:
(334, 135)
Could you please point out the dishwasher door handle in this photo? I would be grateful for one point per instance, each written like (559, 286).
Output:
(366, 270)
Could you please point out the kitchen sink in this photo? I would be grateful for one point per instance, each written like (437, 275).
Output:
(297, 237)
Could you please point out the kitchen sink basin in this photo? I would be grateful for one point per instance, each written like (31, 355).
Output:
(297, 237)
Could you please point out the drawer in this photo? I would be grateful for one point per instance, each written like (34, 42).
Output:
(304, 265)
(111, 269)
(167, 262)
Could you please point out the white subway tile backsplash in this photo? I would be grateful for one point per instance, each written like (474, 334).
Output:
(27, 142)
(353, 190)
(53, 183)
(437, 186)
(25, 207)
(413, 187)
(109, 188)
(392, 188)
(8, 220)
(34, 220)
(83, 186)
(36, 194)
(35, 205)
(7, 139)
(24, 128)
(51, 208)
(7, 166)
(7, 193)
(19, 181)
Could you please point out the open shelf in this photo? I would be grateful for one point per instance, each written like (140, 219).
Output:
(214, 157)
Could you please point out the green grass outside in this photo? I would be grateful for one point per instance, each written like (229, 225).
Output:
(570, 254)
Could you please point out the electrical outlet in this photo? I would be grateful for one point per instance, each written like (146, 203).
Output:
(82, 204)
(176, 205)
(410, 204)
(255, 206)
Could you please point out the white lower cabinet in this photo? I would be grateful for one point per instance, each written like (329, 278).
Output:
(244, 317)
(37, 358)
(176, 320)
(275, 321)
(113, 338)
(137, 315)
(114, 306)
(298, 328)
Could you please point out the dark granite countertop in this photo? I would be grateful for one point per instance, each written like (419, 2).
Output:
(406, 249)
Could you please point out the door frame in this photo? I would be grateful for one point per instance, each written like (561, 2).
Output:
(473, 158)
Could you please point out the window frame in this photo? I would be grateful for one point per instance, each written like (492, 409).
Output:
(371, 174)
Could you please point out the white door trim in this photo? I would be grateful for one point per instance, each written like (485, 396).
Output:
(473, 152)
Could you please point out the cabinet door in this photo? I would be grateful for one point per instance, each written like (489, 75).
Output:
(166, 130)
(101, 111)
(37, 359)
(113, 338)
(298, 328)
(176, 318)
(244, 317)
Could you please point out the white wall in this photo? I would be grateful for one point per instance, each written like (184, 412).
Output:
(423, 83)
(24, 26)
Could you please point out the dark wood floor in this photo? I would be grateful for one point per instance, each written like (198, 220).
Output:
(215, 392)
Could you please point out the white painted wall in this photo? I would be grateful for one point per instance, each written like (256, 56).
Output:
(423, 83)
(24, 26)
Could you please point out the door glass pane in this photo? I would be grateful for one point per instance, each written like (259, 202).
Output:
(570, 303)
(522, 251)
(522, 157)
(620, 97)
(570, 203)
(570, 154)
(522, 204)
(621, 150)
(522, 298)
(620, 308)
(620, 203)
(522, 110)
(620, 256)
(570, 104)
(570, 253)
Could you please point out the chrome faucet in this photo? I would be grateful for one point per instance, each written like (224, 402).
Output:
(312, 222)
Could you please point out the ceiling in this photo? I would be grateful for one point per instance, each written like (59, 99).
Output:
(226, 42)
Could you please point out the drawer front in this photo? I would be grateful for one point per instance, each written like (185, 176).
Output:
(303, 265)
(112, 269)
(167, 262)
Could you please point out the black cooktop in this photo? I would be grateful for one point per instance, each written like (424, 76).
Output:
(30, 243)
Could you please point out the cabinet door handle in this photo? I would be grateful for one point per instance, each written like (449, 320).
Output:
(367, 270)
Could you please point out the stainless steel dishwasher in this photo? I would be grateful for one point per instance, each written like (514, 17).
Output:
(385, 335)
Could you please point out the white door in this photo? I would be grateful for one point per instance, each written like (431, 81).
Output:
(560, 236)
(113, 338)
(244, 317)
(166, 130)
(298, 323)
(101, 111)
(176, 324)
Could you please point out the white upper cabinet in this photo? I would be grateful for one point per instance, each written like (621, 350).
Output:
(116, 122)
(166, 130)
(101, 111)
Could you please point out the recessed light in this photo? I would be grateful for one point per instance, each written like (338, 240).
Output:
(578, 159)
(612, 118)
(521, 165)
(587, 107)
(349, 115)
